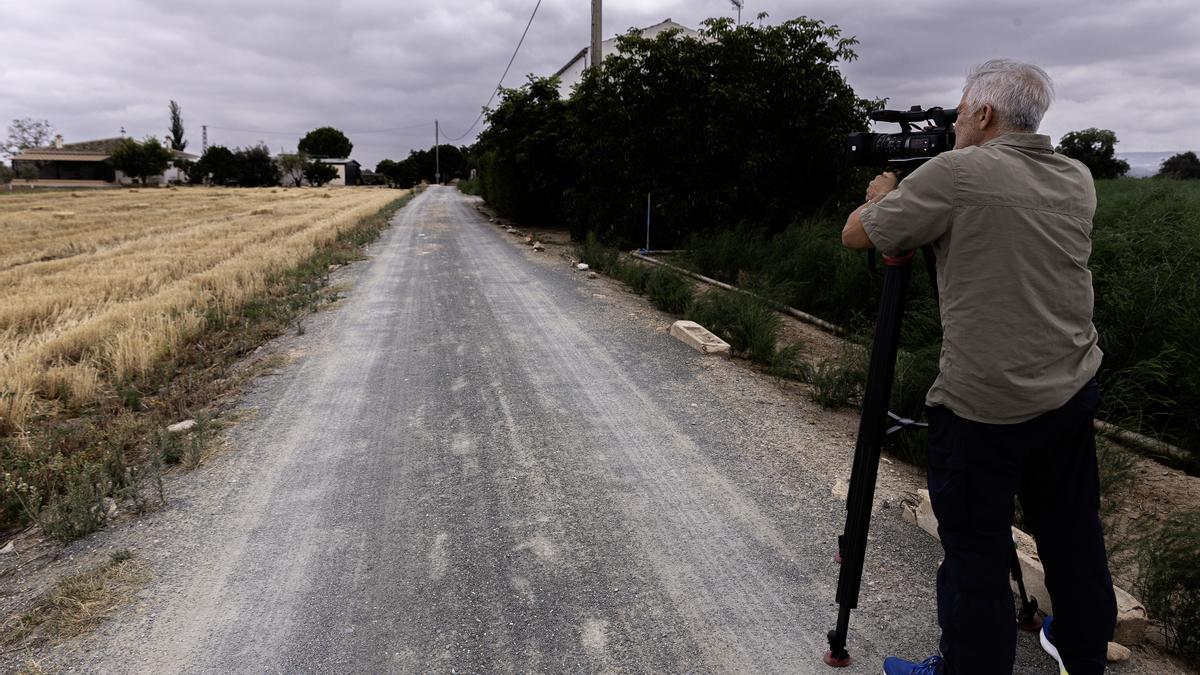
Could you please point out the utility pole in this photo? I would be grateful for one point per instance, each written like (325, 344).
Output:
(597, 33)
(437, 152)
(203, 139)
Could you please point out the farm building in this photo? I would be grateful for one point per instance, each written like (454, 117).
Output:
(349, 171)
(84, 163)
(570, 74)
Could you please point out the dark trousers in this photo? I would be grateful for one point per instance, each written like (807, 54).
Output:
(1049, 463)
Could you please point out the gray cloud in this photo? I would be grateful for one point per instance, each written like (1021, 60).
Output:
(281, 68)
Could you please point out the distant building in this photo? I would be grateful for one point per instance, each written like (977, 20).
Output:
(349, 171)
(572, 73)
(85, 163)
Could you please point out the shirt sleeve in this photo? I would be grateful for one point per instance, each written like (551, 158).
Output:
(916, 213)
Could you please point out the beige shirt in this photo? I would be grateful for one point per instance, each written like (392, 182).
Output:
(1011, 223)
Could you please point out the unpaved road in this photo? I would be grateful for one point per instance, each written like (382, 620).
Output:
(476, 465)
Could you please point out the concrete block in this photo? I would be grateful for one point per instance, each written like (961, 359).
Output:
(699, 338)
(1132, 620)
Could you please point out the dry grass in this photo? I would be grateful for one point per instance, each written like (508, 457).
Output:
(94, 297)
(77, 603)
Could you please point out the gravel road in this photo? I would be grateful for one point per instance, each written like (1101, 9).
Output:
(483, 462)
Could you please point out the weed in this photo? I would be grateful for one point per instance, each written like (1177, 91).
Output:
(199, 439)
(632, 274)
(746, 323)
(170, 450)
(837, 381)
(1169, 581)
(131, 398)
(598, 256)
(668, 290)
(79, 510)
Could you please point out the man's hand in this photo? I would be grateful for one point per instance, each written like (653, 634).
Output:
(881, 186)
(853, 235)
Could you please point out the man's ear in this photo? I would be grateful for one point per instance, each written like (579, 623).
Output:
(987, 118)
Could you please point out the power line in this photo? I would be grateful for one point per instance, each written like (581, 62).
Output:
(268, 132)
(501, 82)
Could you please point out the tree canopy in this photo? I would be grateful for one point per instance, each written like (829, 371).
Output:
(27, 133)
(141, 160)
(748, 123)
(1185, 165)
(326, 142)
(178, 142)
(1094, 147)
(249, 167)
(319, 173)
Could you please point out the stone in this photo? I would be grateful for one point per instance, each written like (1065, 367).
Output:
(582, 266)
(593, 275)
(181, 427)
(699, 338)
(1132, 620)
(1118, 653)
(8, 548)
(538, 246)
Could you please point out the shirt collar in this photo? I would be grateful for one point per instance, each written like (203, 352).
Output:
(1027, 141)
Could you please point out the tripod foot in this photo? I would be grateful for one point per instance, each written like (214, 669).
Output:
(1030, 625)
(837, 662)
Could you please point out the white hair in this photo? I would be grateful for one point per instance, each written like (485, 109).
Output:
(1018, 92)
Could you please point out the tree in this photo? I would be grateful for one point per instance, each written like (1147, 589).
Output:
(28, 133)
(402, 174)
(319, 173)
(177, 140)
(1094, 147)
(255, 167)
(6, 175)
(326, 143)
(746, 124)
(293, 167)
(1183, 166)
(218, 165)
(142, 160)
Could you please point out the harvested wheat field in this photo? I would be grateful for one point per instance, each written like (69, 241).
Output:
(97, 287)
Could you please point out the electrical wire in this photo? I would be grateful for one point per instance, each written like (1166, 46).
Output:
(301, 133)
(501, 82)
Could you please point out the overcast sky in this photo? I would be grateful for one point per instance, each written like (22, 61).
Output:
(271, 70)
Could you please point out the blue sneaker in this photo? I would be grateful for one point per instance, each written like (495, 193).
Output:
(895, 666)
(1044, 638)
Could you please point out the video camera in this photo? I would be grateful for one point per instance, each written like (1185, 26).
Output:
(910, 148)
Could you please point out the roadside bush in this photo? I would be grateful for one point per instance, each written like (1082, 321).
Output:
(633, 274)
(669, 291)
(470, 186)
(749, 326)
(598, 256)
(1169, 581)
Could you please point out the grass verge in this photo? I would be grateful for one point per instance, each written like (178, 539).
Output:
(76, 604)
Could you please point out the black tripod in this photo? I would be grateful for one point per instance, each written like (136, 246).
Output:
(873, 429)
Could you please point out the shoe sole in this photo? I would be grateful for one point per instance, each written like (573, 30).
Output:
(1052, 651)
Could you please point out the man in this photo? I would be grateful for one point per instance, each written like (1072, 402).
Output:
(1012, 408)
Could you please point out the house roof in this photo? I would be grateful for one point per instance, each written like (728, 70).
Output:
(665, 24)
(84, 151)
(337, 161)
(60, 156)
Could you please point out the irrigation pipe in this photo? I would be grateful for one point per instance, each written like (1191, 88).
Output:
(1151, 447)
(790, 311)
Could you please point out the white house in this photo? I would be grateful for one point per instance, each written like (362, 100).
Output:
(571, 74)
